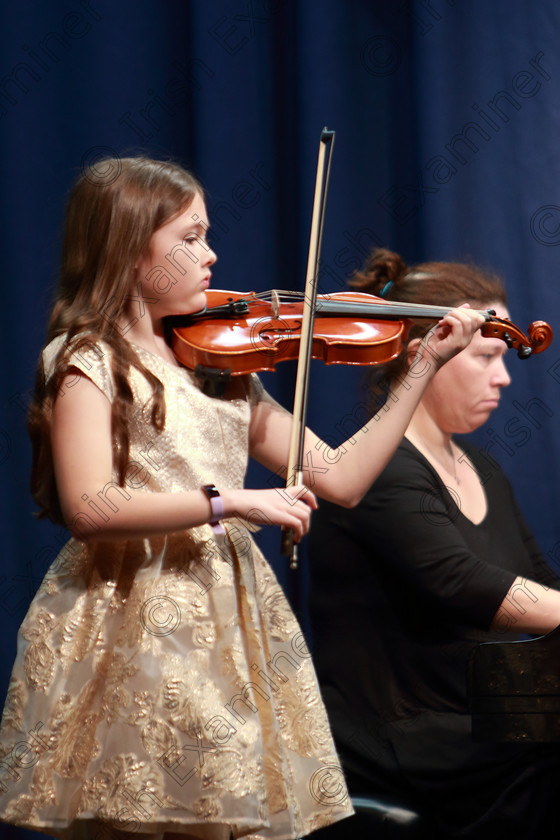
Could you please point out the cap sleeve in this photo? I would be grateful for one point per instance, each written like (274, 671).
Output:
(257, 393)
(93, 359)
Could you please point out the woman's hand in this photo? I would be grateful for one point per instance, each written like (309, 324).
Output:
(290, 507)
(451, 335)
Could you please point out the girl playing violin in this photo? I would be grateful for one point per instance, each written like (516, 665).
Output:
(162, 686)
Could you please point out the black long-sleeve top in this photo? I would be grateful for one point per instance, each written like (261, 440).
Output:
(402, 588)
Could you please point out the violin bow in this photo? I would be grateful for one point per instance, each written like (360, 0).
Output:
(295, 456)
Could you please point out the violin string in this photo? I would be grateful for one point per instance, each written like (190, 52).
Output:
(282, 293)
(396, 304)
(382, 308)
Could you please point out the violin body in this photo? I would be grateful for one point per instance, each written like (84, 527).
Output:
(248, 332)
(258, 340)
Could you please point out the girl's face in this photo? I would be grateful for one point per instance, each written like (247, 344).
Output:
(466, 390)
(175, 271)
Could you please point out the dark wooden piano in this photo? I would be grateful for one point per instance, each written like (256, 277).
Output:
(514, 690)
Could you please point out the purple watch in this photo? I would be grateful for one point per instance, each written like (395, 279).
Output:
(216, 505)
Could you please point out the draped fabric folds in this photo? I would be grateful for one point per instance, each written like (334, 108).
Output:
(164, 683)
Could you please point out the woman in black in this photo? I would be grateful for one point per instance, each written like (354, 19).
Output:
(435, 560)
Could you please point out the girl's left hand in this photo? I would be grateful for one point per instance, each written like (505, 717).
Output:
(451, 335)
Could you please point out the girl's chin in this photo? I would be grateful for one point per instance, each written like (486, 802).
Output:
(194, 305)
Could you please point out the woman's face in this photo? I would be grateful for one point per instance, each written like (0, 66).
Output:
(466, 390)
(175, 271)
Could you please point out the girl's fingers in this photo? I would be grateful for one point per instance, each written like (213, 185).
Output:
(303, 494)
(468, 318)
(299, 514)
(454, 331)
(289, 507)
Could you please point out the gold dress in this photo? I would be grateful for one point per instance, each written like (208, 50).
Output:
(164, 684)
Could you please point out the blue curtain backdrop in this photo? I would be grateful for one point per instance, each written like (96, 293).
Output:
(447, 117)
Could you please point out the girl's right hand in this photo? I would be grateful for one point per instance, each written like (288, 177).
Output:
(287, 506)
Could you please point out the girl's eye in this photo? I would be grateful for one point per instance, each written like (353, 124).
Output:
(194, 237)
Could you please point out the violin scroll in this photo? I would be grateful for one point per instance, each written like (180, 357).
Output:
(538, 339)
(541, 335)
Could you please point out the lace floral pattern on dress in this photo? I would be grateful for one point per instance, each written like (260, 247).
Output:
(164, 684)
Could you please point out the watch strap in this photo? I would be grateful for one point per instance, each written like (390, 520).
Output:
(217, 507)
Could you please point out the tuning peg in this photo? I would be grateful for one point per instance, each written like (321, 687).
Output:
(507, 338)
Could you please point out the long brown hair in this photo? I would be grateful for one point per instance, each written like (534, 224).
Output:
(386, 275)
(113, 210)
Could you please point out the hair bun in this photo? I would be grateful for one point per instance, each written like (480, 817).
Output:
(381, 269)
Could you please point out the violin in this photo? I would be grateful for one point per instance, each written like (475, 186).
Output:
(251, 332)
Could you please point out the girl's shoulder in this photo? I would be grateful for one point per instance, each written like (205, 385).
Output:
(85, 353)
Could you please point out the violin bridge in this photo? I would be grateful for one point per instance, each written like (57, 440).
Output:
(275, 303)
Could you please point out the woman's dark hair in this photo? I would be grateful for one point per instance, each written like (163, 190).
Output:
(386, 275)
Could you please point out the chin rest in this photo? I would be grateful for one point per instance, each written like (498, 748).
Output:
(379, 817)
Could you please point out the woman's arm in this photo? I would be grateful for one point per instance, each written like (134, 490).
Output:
(528, 607)
(410, 530)
(344, 476)
(83, 463)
